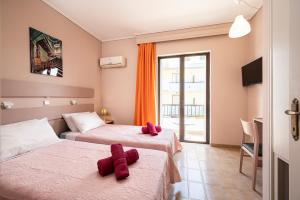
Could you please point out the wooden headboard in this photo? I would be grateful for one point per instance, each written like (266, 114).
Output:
(24, 91)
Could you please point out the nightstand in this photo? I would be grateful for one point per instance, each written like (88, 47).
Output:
(109, 121)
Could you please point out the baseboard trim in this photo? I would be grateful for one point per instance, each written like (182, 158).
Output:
(225, 145)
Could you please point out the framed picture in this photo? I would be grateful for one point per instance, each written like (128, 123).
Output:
(45, 54)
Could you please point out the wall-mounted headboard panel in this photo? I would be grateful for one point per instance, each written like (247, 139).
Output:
(51, 112)
(15, 89)
(20, 92)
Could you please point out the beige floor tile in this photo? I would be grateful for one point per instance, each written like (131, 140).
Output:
(194, 175)
(193, 156)
(183, 173)
(180, 190)
(215, 192)
(236, 194)
(203, 155)
(196, 191)
(213, 177)
(181, 163)
(216, 165)
(193, 164)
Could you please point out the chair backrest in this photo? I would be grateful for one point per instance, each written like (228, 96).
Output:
(249, 128)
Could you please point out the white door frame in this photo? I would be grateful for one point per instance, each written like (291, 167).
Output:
(267, 103)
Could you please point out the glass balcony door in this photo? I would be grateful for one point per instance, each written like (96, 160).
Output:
(195, 97)
(184, 96)
(169, 87)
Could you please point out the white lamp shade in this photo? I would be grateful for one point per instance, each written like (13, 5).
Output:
(240, 27)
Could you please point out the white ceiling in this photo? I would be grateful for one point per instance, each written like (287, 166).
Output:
(116, 19)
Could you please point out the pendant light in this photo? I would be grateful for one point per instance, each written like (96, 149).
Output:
(240, 27)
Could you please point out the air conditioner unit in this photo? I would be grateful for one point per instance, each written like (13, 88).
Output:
(112, 62)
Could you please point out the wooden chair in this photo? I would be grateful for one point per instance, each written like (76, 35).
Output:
(252, 149)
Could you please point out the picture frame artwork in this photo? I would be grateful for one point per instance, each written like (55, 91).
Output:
(45, 54)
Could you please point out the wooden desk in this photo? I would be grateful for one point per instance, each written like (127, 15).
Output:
(259, 124)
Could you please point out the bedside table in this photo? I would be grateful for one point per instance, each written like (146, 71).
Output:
(109, 121)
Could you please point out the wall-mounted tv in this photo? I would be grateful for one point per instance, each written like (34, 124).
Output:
(252, 72)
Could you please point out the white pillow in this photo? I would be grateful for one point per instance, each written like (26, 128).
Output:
(88, 121)
(68, 118)
(25, 136)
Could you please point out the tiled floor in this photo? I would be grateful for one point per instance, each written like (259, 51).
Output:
(211, 173)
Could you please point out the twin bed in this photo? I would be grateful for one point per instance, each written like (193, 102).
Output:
(66, 169)
(131, 136)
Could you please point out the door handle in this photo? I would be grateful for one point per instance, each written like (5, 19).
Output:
(290, 112)
(294, 113)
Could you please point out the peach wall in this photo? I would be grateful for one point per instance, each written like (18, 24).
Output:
(228, 97)
(255, 48)
(118, 84)
(80, 50)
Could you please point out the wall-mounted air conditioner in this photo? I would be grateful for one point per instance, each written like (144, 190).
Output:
(112, 62)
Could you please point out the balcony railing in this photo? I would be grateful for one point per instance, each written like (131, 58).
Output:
(190, 110)
(191, 81)
(190, 87)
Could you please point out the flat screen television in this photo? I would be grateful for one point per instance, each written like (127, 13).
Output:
(252, 72)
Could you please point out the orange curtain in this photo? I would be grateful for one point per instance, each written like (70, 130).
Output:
(145, 85)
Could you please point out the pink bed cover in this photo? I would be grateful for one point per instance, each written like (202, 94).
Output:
(68, 170)
(131, 136)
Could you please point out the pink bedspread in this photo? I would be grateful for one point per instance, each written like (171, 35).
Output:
(68, 170)
(131, 136)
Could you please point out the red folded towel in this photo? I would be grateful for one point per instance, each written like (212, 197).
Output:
(145, 130)
(120, 163)
(106, 165)
(151, 129)
(132, 156)
(158, 128)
